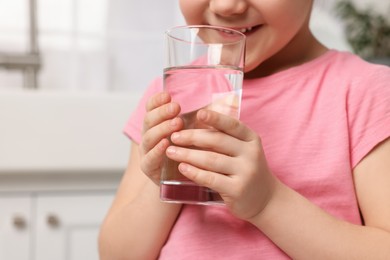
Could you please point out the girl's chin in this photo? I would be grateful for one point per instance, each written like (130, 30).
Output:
(250, 64)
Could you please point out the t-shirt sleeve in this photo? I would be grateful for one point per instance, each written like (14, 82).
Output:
(133, 127)
(369, 111)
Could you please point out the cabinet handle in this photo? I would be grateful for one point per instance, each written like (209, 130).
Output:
(53, 221)
(19, 222)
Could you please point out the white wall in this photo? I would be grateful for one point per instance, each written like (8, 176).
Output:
(89, 45)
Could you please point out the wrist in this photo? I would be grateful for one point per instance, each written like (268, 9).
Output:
(277, 193)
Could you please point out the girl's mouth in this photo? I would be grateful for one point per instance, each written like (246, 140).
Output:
(247, 30)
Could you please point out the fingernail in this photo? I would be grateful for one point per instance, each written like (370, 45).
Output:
(184, 167)
(173, 122)
(171, 150)
(171, 109)
(163, 97)
(175, 136)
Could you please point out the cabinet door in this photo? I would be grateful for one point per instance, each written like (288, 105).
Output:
(68, 225)
(15, 227)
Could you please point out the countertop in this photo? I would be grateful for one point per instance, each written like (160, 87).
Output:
(64, 132)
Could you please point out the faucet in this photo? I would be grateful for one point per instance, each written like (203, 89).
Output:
(29, 63)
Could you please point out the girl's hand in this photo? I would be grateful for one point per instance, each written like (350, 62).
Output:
(230, 160)
(159, 123)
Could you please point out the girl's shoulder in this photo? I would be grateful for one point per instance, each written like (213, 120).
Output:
(351, 67)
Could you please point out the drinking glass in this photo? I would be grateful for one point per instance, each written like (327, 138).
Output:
(204, 69)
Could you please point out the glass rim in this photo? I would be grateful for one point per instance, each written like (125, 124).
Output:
(168, 32)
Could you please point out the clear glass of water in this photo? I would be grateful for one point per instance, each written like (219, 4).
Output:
(204, 69)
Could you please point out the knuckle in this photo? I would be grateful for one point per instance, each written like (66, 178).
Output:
(156, 100)
(213, 161)
(236, 127)
(218, 138)
(147, 123)
(162, 111)
(150, 163)
(184, 154)
(150, 104)
(187, 136)
(204, 178)
(144, 166)
(234, 124)
(146, 142)
(209, 180)
(168, 110)
(141, 151)
(146, 163)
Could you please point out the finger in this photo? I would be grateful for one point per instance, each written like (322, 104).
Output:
(208, 139)
(160, 114)
(215, 181)
(153, 135)
(157, 100)
(152, 161)
(226, 124)
(207, 160)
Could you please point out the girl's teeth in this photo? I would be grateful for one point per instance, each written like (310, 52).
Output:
(227, 31)
(244, 30)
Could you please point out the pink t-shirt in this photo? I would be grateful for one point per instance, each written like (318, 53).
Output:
(316, 122)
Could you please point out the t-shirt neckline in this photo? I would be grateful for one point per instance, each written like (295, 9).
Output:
(296, 70)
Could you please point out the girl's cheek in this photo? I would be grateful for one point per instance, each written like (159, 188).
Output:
(193, 11)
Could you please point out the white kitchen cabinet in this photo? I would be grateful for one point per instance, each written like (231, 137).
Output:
(53, 216)
(15, 227)
(67, 226)
(61, 159)
(52, 226)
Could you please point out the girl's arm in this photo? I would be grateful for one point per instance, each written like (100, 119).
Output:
(304, 231)
(138, 223)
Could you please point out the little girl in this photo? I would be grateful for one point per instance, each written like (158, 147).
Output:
(304, 173)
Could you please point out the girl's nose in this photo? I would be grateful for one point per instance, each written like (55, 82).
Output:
(228, 7)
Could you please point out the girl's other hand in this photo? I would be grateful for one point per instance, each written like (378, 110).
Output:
(230, 160)
(159, 123)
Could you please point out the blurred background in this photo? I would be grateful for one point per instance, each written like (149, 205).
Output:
(116, 45)
(87, 44)
(71, 72)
